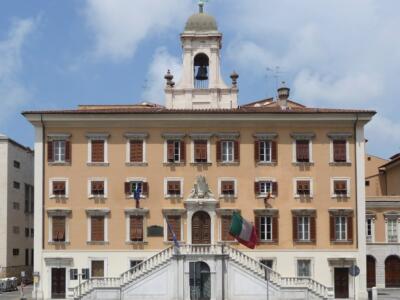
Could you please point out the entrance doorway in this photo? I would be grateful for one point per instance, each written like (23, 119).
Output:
(58, 283)
(341, 283)
(200, 281)
(371, 275)
(392, 271)
(201, 228)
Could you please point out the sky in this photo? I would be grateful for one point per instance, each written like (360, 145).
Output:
(331, 53)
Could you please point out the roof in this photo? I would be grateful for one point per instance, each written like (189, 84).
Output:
(394, 160)
(7, 139)
(201, 22)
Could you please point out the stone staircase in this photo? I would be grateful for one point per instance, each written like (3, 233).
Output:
(156, 262)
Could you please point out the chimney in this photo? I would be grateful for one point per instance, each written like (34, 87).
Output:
(283, 96)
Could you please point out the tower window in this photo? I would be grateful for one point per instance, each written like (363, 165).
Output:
(201, 71)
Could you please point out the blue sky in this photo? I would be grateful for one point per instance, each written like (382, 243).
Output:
(332, 53)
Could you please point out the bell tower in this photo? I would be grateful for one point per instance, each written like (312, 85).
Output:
(201, 85)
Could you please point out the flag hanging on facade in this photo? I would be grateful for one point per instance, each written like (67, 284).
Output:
(174, 239)
(136, 194)
(243, 231)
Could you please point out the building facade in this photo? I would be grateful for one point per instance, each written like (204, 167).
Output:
(16, 208)
(383, 222)
(120, 181)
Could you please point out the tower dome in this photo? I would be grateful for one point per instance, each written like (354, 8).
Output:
(201, 22)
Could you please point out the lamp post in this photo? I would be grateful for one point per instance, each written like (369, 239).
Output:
(36, 279)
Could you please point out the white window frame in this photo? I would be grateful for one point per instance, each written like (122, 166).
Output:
(137, 179)
(220, 179)
(265, 179)
(333, 179)
(370, 238)
(89, 191)
(55, 154)
(339, 136)
(310, 150)
(227, 142)
(51, 193)
(266, 226)
(89, 232)
(295, 180)
(135, 137)
(396, 220)
(104, 259)
(166, 179)
(50, 222)
(192, 160)
(340, 237)
(97, 136)
(269, 142)
(311, 260)
(303, 235)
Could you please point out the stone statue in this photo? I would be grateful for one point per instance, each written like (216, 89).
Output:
(201, 189)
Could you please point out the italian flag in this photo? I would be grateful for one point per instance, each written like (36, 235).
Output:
(243, 231)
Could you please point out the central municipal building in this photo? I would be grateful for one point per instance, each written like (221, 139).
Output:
(294, 172)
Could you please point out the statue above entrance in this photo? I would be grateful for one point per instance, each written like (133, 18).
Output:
(201, 189)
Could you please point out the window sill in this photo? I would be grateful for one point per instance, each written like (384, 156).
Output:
(97, 243)
(233, 163)
(65, 164)
(271, 163)
(263, 196)
(136, 242)
(267, 242)
(64, 197)
(173, 164)
(303, 164)
(136, 164)
(228, 197)
(300, 242)
(228, 242)
(59, 243)
(304, 197)
(97, 164)
(131, 197)
(200, 163)
(173, 197)
(339, 164)
(172, 242)
(342, 242)
(344, 197)
(97, 197)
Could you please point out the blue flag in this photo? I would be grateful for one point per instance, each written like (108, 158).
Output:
(137, 192)
(174, 239)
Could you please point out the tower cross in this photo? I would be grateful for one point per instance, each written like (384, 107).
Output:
(201, 5)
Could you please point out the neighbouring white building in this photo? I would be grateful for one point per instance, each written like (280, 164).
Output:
(16, 208)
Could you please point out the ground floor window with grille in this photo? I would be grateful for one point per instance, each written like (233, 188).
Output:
(304, 268)
(392, 230)
(97, 268)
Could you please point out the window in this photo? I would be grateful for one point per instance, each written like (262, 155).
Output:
(339, 150)
(174, 188)
(304, 268)
(73, 274)
(26, 257)
(29, 199)
(15, 251)
(85, 274)
(303, 231)
(136, 228)
(16, 185)
(59, 151)
(134, 185)
(136, 151)
(16, 205)
(97, 188)
(174, 225)
(392, 235)
(26, 232)
(302, 151)
(17, 164)
(226, 221)
(267, 262)
(266, 187)
(175, 151)
(200, 151)
(366, 182)
(227, 151)
(58, 232)
(266, 224)
(97, 268)
(134, 262)
(303, 188)
(340, 187)
(340, 228)
(59, 188)
(32, 232)
(265, 151)
(228, 188)
(369, 229)
(16, 229)
(98, 153)
(97, 228)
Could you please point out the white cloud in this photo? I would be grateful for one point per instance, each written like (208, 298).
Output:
(162, 62)
(383, 136)
(13, 93)
(120, 25)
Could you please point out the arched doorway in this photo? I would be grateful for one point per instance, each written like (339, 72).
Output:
(200, 281)
(392, 271)
(371, 275)
(201, 228)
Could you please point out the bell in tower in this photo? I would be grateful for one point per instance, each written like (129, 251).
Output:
(201, 63)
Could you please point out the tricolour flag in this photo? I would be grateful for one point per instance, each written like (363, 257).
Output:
(243, 231)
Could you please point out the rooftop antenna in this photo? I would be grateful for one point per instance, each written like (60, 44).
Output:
(274, 72)
(201, 5)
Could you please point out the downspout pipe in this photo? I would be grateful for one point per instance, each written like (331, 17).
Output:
(356, 177)
(43, 173)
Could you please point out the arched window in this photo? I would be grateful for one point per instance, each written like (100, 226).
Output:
(201, 71)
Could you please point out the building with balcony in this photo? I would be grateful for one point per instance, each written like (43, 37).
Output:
(117, 183)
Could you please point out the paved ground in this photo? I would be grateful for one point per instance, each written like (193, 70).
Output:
(17, 294)
(389, 294)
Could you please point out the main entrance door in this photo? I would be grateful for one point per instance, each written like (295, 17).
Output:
(200, 281)
(371, 282)
(392, 271)
(341, 282)
(58, 283)
(201, 228)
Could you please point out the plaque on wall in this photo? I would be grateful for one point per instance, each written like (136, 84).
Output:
(155, 230)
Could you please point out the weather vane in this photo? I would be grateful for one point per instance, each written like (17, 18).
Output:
(201, 5)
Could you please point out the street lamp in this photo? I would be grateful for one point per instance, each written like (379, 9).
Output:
(36, 279)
